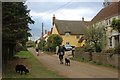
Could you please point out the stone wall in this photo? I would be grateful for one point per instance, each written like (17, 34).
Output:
(102, 58)
(106, 58)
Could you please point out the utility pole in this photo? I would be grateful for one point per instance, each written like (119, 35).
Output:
(42, 36)
(42, 30)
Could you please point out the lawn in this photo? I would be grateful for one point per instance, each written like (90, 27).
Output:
(37, 70)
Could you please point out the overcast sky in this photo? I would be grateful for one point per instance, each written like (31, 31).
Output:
(42, 11)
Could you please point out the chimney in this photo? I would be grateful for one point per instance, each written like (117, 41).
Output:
(115, 0)
(45, 31)
(53, 19)
(82, 18)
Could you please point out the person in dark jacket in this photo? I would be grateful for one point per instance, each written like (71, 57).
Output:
(73, 51)
(37, 51)
(61, 53)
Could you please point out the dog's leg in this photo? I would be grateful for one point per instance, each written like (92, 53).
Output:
(67, 64)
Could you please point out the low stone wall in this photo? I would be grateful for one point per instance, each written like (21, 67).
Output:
(84, 55)
(106, 58)
(102, 58)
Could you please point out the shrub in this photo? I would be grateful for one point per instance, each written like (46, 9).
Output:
(20, 47)
(110, 50)
(30, 44)
(98, 48)
(53, 41)
(117, 50)
(42, 44)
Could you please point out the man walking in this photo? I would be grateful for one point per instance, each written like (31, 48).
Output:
(61, 53)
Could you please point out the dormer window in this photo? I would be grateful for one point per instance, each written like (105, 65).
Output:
(67, 34)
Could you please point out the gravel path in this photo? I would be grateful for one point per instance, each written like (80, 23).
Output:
(76, 69)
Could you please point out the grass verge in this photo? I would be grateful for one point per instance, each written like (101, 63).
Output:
(37, 70)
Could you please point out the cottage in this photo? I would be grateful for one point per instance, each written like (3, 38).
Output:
(72, 32)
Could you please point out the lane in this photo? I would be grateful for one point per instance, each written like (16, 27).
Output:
(77, 69)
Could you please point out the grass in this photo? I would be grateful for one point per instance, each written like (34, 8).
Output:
(24, 54)
(37, 70)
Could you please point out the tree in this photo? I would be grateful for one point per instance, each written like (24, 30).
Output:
(42, 44)
(115, 25)
(15, 19)
(94, 37)
(53, 41)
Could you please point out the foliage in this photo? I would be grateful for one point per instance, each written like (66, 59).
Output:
(23, 54)
(42, 44)
(110, 50)
(30, 43)
(15, 30)
(117, 49)
(115, 25)
(53, 41)
(94, 38)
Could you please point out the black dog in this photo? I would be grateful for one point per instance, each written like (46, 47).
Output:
(21, 69)
(67, 62)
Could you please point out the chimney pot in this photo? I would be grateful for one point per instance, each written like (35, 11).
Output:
(82, 18)
(53, 19)
(45, 31)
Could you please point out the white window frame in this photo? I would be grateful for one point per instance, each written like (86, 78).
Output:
(67, 43)
(108, 22)
(67, 34)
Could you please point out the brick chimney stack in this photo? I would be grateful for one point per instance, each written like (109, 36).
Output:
(45, 31)
(115, 0)
(82, 18)
(53, 19)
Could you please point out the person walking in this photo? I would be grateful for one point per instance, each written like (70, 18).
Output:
(61, 53)
(73, 51)
(37, 51)
(57, 49)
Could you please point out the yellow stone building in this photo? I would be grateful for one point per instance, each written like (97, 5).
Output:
(72, 32)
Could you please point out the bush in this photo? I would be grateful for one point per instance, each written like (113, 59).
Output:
(30, 44)
(19, 47)
(88, 49)
(110, 50)
(53, 41)
(42, 44)
(117, 50)
(98, 48)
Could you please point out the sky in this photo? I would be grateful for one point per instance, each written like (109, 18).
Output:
(42, 12)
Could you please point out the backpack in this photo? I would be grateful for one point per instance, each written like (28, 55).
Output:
(61, 53)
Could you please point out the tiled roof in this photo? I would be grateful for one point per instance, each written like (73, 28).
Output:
(74, 27)
(107, 12)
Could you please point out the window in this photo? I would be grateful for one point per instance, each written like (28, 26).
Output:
(67, 34)
(77, 36)
(110, 40)
(67, 43)
(108, 22)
